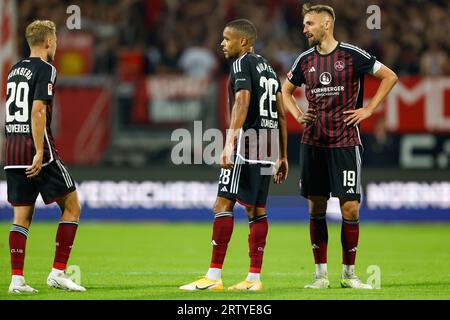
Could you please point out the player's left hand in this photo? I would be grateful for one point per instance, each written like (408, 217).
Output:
(282, 168)
(356, 116)
(36, 167)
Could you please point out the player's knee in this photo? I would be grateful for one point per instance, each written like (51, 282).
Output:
(72, 212)
(23, 221)
(255, 212)
(23, 216)
(222, 205)
(317, 206)
(219, 207)
(76, 210)
(350, 210)
(251, 212)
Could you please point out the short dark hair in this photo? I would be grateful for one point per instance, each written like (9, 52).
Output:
(246, 27)
(318, 8)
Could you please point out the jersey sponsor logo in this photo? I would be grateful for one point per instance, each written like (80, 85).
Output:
(339, 65)
(327, 91)
(50, 89)
(325, 78)
(350, 190)
(224, 189)
(312, 69)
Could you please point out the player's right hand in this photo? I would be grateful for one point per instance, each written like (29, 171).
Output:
(282, 168)
(225, 158)
(36, 167)
(307, 117)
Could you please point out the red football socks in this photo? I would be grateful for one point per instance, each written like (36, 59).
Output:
(318, 233)
(64, 242)
(17, 243)
(222, 230)
(349, 240)
(259, 228)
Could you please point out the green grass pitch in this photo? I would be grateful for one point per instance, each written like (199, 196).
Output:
(150, 261)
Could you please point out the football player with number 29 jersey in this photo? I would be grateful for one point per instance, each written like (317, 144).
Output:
(33, 165)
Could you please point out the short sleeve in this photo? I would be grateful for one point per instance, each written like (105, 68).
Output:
(363, 61)
(241, 75)
(279, 85)
(295, 75)
(44, 83)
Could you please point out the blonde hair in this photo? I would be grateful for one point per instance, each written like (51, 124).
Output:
(38, 31)
(318, 8)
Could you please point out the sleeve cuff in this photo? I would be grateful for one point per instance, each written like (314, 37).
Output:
(376, 66)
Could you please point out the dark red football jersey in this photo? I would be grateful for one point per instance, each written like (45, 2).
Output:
(333, 84)
(28, 80)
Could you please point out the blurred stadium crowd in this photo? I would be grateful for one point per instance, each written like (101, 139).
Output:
(183, 36)
(137, 70)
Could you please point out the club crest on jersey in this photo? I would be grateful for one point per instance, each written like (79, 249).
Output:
(339, 65)
(50, 89)
(325, 78)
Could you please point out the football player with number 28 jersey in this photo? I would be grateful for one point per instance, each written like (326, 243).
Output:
(256, 141)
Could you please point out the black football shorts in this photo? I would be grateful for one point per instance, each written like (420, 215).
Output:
(247, 183)
(330, 170)
(53, 183)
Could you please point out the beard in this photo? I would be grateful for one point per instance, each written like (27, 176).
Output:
(231, 55)
(312, 42)
(316, 40)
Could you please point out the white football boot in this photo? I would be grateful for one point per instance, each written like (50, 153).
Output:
(319, 282)
(60, 280)
(354, 283)
(18, 286)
